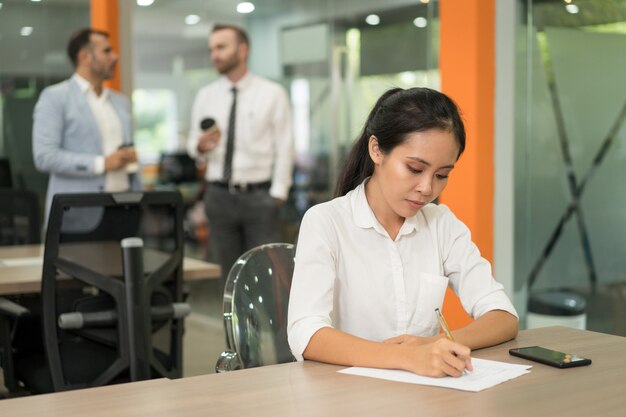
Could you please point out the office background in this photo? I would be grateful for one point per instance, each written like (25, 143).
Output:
(547, 140)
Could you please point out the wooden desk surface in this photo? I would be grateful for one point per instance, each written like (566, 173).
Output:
(315, 389)
(26, 278)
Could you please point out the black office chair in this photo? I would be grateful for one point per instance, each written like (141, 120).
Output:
(6, 178)
(20, 223)
(177, 168)
(256, 299)
(20, 218)
(111, 312)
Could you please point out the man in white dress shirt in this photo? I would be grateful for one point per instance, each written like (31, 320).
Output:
(81, 130)
(249, 150)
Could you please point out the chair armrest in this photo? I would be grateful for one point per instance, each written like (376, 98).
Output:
(9, 308)
(9, 313)
(228, 361)
(79, 320)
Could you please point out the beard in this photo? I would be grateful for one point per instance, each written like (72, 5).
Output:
(103, 71)
(227, 65)
(108, 73)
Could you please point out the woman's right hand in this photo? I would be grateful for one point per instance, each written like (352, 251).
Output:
(438, 359)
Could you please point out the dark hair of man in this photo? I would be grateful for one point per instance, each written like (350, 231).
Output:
(396, 114)
(242, 36)
(79, 40)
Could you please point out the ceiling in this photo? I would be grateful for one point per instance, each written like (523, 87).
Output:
(159, 30)
(160, 34)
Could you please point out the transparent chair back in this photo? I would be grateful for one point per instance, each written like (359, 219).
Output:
(256, 299)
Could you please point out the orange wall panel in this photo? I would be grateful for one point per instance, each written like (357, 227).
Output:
(467, 66)
(105, 16)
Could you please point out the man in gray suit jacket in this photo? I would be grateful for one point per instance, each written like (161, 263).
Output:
(82, 131)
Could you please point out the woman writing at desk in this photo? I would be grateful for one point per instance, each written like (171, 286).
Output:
(373, 264)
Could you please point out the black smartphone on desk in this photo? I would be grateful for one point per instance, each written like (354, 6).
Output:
(550, 357)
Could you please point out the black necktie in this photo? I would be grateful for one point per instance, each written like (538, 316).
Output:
(230, 138)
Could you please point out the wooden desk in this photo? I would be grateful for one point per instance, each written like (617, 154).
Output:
(23, 273)
(314, 389)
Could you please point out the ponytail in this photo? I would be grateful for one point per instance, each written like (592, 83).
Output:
(359, 165)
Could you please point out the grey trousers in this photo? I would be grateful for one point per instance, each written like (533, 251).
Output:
(238, 222)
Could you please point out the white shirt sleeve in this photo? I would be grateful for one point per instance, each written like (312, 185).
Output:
(313, 284)
(283, 145)
(194, 128)
(99, 165)
(469, 273)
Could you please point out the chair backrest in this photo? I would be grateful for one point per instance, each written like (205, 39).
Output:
(256, 298)
(6, 178)
(20, 218)
(177, 168)
(84, 271)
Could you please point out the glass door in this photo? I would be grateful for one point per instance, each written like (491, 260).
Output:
(335, 59)
(570, 156)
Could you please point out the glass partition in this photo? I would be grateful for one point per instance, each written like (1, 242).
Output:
(571, 155)
(333, 57)
(33, 38)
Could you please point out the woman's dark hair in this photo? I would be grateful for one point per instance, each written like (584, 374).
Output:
(79, 40)
(396, 114)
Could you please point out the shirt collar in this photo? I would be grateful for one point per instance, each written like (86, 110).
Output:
(364, 216)
(241, 84)
(86, 86)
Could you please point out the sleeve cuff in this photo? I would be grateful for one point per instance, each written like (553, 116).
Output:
(279, 191)
(98, 165)
(300, 337)
(494, 301)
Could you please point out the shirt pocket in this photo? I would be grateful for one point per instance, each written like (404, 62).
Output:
(432, 290)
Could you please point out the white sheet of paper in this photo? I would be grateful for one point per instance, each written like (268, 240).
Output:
(35, 260)
(486, 374)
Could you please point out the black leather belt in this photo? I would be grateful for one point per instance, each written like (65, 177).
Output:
(242, 187)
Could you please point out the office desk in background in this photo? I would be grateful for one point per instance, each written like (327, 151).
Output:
(20, 269)
(315, 389)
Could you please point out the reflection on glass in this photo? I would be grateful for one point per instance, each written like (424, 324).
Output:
(571, 161)
(332, 62)
(155, 124)
(32, 56)
(255, 319)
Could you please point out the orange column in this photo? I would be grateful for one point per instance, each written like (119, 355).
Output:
(467, 65)
(105, 16)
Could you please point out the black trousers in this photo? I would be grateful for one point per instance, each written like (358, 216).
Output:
(239, 221)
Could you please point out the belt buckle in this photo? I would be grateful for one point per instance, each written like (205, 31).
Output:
(241, 187)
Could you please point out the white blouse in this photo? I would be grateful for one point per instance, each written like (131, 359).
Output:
(350, 275)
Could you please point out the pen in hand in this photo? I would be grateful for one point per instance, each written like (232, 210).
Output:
(446, 330)
(444, 325)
